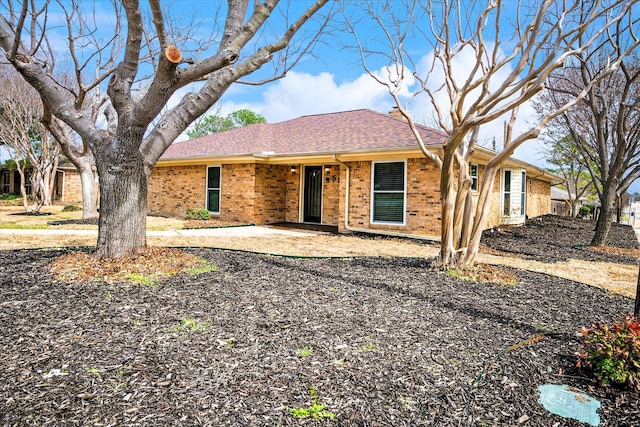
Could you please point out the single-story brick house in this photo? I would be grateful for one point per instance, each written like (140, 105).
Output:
(356, 170)
(66, 190)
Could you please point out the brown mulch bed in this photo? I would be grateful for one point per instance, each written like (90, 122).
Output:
(389, 342)
(551, 238)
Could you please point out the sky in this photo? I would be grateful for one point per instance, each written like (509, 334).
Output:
(333, 78)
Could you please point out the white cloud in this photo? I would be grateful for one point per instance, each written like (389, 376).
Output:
(302, 94)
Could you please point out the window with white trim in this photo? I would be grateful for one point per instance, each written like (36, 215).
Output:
(388, 192)
(506, 191)
(213, 189)
(473, 174)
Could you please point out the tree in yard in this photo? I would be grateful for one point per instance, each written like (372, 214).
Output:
(33, 151)
(605, 124)
(149, 59)
(514, 48)
(565, 160)
(216, 123)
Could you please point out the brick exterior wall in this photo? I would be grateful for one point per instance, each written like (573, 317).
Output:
(538, 198)
(174, 190)
(72, 187)
(422, 199)
(266, 194)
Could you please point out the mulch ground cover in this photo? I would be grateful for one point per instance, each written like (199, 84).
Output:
(266, 340)
(551, 238)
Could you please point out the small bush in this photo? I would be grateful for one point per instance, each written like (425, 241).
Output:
(613, 352)
(584, 211)
(198, 214)
(71, 208)
(8, 196)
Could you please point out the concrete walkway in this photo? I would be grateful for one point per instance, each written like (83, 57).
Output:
(240, 231)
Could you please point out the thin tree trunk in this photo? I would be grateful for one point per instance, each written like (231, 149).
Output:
(603, 223)
(481, 215)
(123, 208)
(87, 180)
(448, 196)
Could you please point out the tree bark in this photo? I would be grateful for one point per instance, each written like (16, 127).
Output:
(448, 197)
(603, 223)
(87, 179)
(123, 197)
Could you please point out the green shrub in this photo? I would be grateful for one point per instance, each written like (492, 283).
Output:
(613, 352)
(8, 196)
(198, 214)
(71, 208)
(584, 211)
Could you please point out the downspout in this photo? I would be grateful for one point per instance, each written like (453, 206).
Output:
(64, 177)
(366, 230)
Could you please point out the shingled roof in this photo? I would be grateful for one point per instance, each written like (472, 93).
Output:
(342, 132)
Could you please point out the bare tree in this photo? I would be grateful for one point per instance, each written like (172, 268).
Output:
(514, 48)
(32, 149)
(565, 160)
(145, 63)
(605, 124)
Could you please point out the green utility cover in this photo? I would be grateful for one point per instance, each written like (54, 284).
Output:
(569, 403)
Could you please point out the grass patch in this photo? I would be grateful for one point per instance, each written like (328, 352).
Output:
(304, 352)
(316, 410)
(190, 324)
(141, 279)
(203, 266)
(6, 226)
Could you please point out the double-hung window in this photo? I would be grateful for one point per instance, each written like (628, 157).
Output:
(388, 192)
(473, 174)
(506, 191)
(213, 189)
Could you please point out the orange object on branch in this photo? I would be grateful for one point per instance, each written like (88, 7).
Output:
(173, 54)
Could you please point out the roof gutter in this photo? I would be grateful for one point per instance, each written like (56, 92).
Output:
(366, 230)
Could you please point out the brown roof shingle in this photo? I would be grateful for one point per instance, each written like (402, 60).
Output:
(357, 130)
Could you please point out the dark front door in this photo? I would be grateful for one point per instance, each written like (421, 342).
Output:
(312, 194)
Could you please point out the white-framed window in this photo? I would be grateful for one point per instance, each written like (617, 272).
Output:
(523, 193)
(473, 174)
(213, 188)
(506, 192)
(388, 192)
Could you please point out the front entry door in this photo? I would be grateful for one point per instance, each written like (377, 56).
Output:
(312, 194)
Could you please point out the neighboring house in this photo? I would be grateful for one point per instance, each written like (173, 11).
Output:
(560, 202)
(67, 187)
(355, 170)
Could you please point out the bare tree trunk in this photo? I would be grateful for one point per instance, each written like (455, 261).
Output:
(603, 223)
(23, 188)
(87, 180)
(123, 197)
(482, 212)
(448, 195)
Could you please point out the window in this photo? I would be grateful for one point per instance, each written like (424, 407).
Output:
(213, 189)
(473, 173)
(6, 182)
(523, 193)
(388, 192)
(506, 201)
(27, 182)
